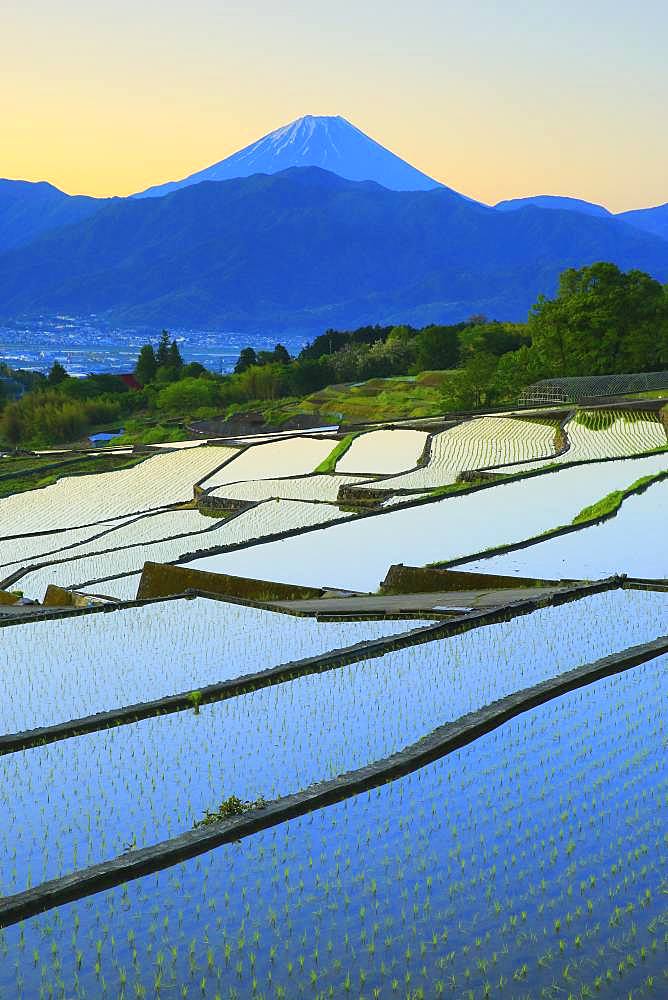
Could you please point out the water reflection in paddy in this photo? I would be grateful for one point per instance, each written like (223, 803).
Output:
(357, 555)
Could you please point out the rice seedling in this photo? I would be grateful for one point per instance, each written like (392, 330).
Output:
(598, 750)
(52, 669)
(150, 780)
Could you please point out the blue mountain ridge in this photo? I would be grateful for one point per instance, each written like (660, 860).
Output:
(304, 249)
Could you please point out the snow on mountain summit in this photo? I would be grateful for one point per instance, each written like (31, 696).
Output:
(329, 142)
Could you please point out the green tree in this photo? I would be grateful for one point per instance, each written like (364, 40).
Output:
(602, 321)
(57, 374)
(174, 356)
(492, 338)
(472, 387)
(162, 353)
(310, 374)
(515, 371)
(281, 355)
(247, 357)
(436, 348)
(193, 370)
(11, 425)
(147, 365)
(187, 395)
(263, 381)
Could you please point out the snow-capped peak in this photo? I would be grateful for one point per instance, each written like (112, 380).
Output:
(326, 141)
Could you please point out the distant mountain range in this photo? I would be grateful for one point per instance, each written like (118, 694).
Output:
(27, 210)
(355, 236)
(651, 220)
(555, 202)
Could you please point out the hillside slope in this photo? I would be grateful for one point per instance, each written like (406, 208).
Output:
(27, 210)
(305, 249)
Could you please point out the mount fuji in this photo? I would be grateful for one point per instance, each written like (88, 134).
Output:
(329, 142)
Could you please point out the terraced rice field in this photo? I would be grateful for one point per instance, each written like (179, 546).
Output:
(601, 434)
(534, 853)
(450, 528)
(528, 864)
(286, 458)
(77, 501)
(103, 559)
(78, 542)
(477, 444)
(152, 651)
(276, 740)
(383, 452)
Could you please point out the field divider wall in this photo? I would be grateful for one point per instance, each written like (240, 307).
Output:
(331, 660)
(444, 740)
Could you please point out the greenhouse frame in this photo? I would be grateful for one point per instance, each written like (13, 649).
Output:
(579, 389)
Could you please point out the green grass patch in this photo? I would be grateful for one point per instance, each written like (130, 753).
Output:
(611, 503)
(376, 399)
(329, 464)
(450, 488)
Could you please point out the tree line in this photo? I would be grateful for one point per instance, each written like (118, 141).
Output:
(601, 321)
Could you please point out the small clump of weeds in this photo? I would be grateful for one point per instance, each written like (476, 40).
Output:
(229, 807)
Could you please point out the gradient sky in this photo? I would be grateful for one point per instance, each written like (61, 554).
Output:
(496, 99)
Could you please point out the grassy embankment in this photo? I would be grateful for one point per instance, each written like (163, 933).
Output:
(608, 505)
(329, 464)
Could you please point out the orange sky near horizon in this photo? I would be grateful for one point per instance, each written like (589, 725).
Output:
(495, 100)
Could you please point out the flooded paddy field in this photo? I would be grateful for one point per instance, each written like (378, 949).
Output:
(531, 858)
(527, 864)
(145, 781)
(438, 531)
(631, 542)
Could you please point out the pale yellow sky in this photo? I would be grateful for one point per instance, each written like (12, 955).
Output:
(497, 100)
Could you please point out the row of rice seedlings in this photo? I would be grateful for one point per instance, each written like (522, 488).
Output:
(144, 782)
(626, 543)
(66, 668)
(451, 528)
(527, 864)
(321, 488)
(296, 456)
(78, 500)
(25, 549)
(270, 517)
(599, 434)
(120, 588)
(477, 444)
(383, 452)
(136, 531)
